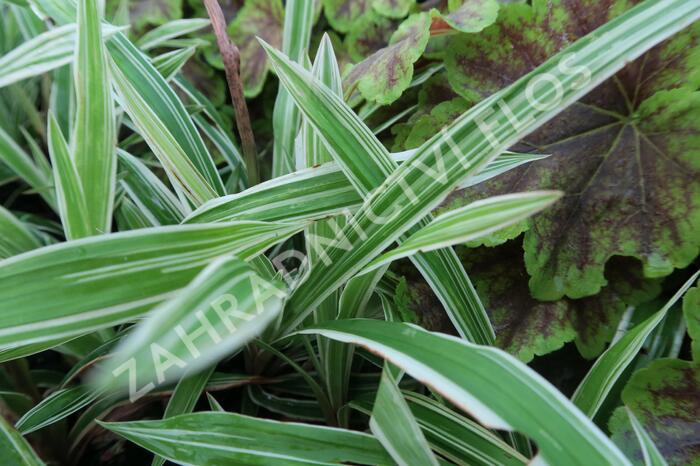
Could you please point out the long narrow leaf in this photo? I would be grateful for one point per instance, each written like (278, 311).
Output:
(235, 439)
(40, 287)
(314, 193)
(393, 424)
(221, 310)
(600, 379)
(298, 21)
(15, 238)
(72, 204)
(470, 222)
(14, 449)
(492, 386)
(45, 52)
(366, 163)
(480, 134)
(94, 135)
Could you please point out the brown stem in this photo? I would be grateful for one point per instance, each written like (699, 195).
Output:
(232, 58)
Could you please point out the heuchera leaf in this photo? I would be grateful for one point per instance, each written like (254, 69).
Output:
(627, 154)
(393, 8)
(257, 18)
(526, 327)
(466, 16)
(157, 12)
(664, 398)
(371, 33)
(385, 74)
(342, 14)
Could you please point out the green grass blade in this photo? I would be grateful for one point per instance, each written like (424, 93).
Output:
(480, 134)
(457, 437)
(45, 52)
(94, 135)
(227, 440)
(162, 120)
(40, 287)
(492, 386)
(650, 453)
(393, 424)
(221, 310)
(184, 398)
(57, 406)
(149, 194)
(15, 237)
(72, 204)
(298, 21)
(170, 63)
(170, 30)
(470, 222)
(19, 162)
(14, 449)
(600, 379)
(312, 193)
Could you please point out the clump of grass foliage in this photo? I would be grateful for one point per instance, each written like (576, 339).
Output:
(453, 232)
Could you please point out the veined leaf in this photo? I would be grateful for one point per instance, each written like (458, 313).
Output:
(528, 327)
(626, 153)
(263, 18)
(39, 287)
(663, 398)
(383, 76)
(465, 16)
(45, 52)
(250, 441)
(94, 134)
(220, 311)
(495, 388)
(599, 381)
(421, 183)
(146, 12)
(170, 30)
(393, 424)
(467, 223)
(14, 449)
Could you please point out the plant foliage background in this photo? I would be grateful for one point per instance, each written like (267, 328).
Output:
(579, 280)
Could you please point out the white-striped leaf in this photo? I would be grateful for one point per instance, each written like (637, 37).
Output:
(478, 136)
(470, 222)
(40, 287)
(492, 386)
(14, 449)
(45, 52)
(94, 134)
(222, 309)
(601, 378)
(245, 441)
